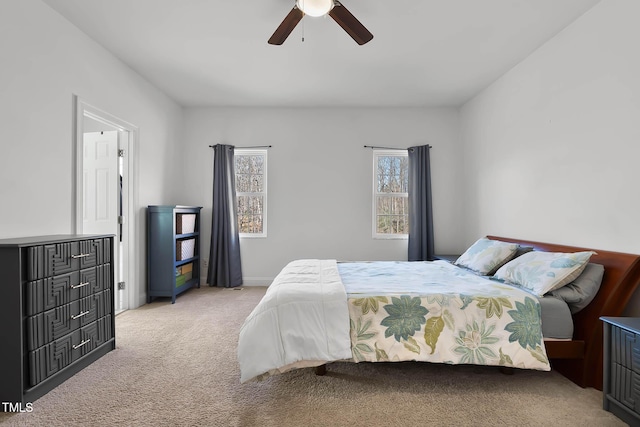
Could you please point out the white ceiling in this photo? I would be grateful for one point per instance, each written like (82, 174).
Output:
(424, 52)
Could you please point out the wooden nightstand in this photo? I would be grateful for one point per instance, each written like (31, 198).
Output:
(621, 368)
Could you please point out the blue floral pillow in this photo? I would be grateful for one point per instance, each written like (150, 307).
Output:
(542, 272)
(486, 255)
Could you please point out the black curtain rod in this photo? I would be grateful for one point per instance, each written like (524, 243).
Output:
(255, 146)
(389, 148)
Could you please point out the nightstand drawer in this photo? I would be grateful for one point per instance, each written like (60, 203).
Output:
(625, 387)
(625, 348)
(621, 368)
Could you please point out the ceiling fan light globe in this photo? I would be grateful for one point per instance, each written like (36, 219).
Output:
(315, 7)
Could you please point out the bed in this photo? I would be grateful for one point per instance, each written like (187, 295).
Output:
(320, 311)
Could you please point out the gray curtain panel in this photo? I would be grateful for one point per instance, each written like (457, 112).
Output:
(225, 268)
(420, 207)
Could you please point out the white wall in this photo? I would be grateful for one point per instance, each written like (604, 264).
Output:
(45, 61)
(548, 152)
(320, 178)
(551, 149)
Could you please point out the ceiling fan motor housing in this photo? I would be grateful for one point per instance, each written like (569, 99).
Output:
(333, 8)
(315, 7)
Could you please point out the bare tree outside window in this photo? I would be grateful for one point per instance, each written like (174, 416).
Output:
(391, 198)
(251, 191)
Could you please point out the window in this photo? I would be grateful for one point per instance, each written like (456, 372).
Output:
(390, 194)
(251, 192)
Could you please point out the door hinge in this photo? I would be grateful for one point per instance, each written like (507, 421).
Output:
(120, 219)
(120, 285)
(120, 153)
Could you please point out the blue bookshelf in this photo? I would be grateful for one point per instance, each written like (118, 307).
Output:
(173, 250)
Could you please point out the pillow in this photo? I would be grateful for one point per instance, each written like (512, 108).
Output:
(579, 293)
(519, 251)
(542, 272)
(486, 255)
(522, 250)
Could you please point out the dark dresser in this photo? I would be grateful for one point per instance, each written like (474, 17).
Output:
(56, 310)
(621, 369)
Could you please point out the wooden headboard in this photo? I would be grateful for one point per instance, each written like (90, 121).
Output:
(580, 360)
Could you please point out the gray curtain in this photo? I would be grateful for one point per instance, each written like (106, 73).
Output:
(225, 268)
(420, 208)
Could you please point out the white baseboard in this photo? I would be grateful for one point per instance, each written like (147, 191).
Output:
(246, 281)
(256, 281)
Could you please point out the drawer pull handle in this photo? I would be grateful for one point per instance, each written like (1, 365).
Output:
(79, 256)
(80, 285)
(77, 316)
(75, 347)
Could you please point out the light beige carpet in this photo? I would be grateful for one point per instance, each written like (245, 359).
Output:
(175, 365)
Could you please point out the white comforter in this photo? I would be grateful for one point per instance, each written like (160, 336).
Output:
(302, 321)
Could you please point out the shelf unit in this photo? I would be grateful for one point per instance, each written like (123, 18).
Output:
(173, 250)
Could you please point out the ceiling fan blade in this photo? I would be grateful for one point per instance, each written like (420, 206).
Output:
(350, 24)
(286, 26)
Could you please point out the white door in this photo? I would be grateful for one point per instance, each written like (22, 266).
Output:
(102, 198)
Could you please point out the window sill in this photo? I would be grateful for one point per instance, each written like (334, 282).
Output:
(390, 237)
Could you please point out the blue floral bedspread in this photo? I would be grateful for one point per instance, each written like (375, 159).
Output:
(437, 312)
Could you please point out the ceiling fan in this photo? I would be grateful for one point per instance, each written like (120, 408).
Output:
(333, 8)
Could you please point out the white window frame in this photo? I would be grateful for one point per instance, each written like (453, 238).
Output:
(254, 152)
(384, 236)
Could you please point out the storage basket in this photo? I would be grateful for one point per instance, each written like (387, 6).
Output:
(185, 223)
(183, 269)
(185, 249)
(183, 278)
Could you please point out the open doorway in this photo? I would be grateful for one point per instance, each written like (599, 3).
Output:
(104, 190)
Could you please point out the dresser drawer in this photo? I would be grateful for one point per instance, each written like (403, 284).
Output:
(45, 294)
(51, 358)
(61, 258)
(52, 324)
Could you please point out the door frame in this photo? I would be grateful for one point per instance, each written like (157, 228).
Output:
(83, 109)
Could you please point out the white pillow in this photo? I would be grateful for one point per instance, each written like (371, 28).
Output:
(542, 272)
(486, 255)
